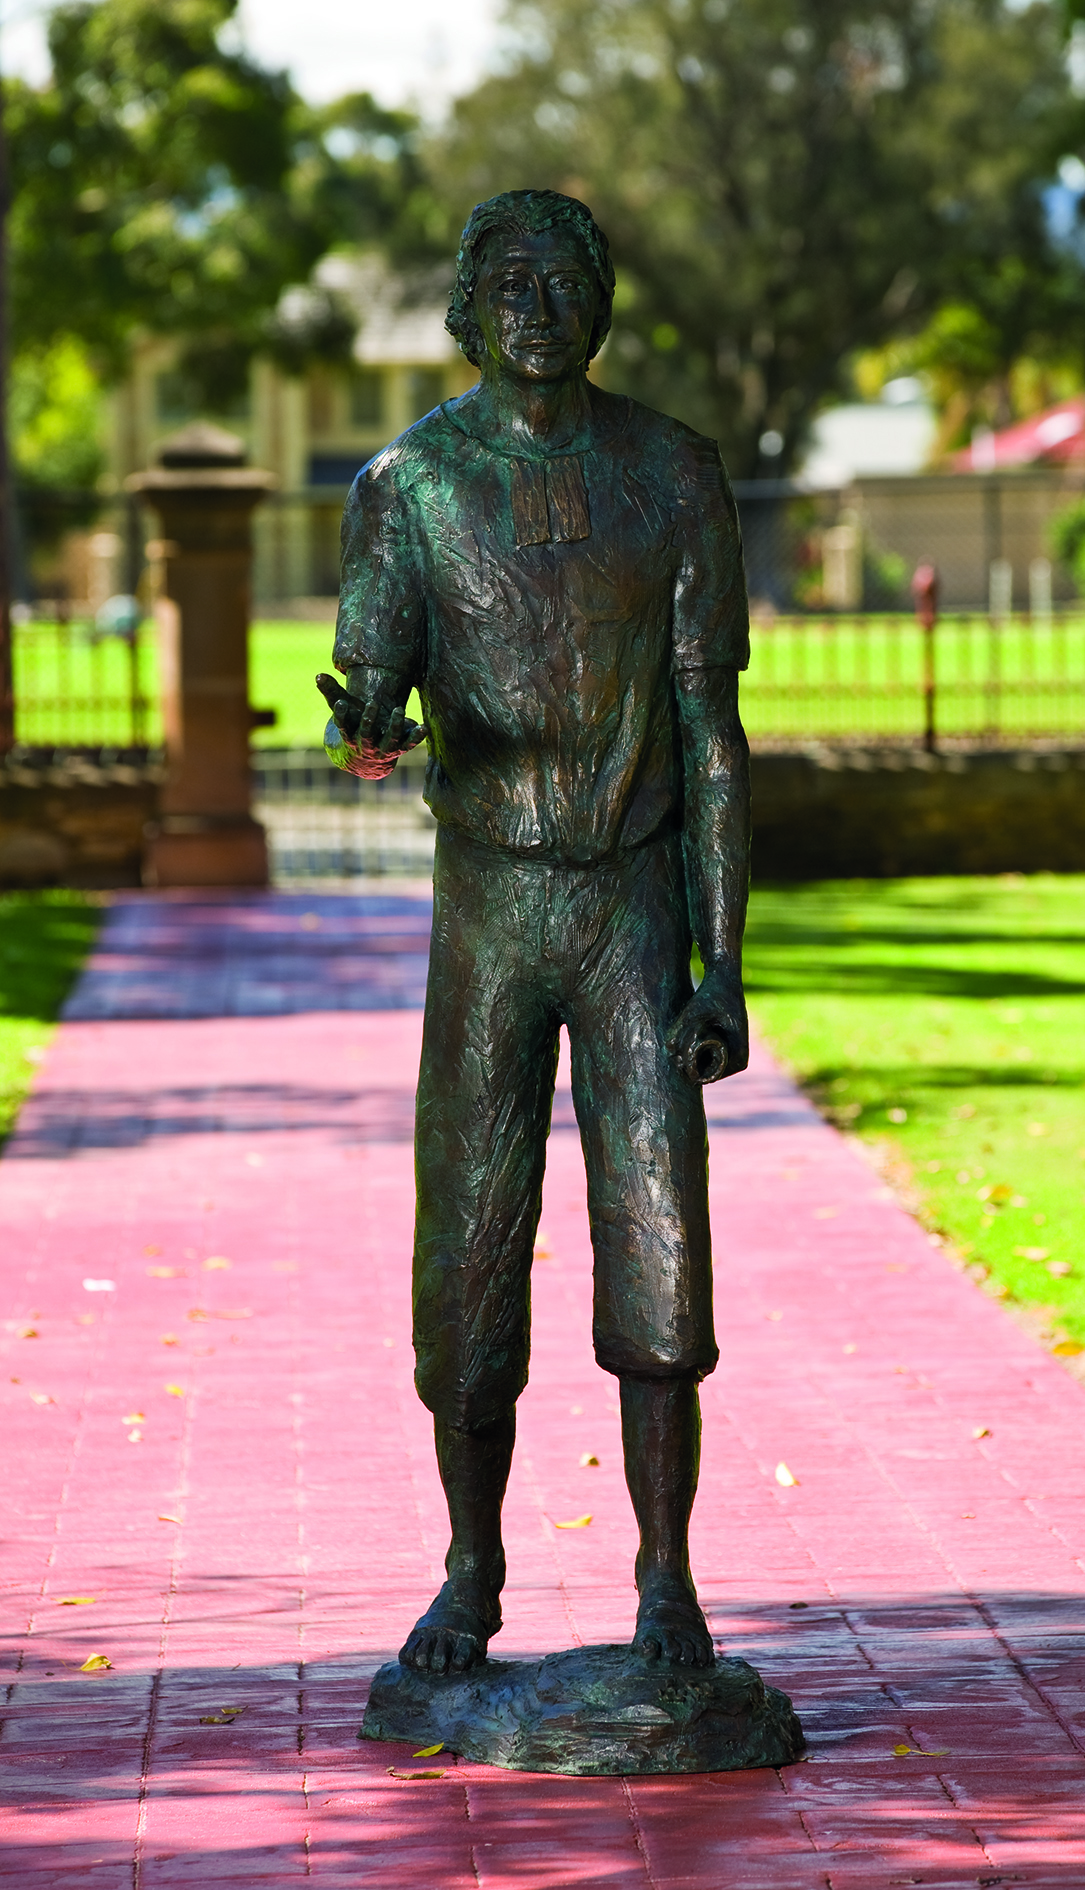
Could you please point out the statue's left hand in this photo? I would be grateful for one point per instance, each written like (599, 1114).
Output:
(711, 1038)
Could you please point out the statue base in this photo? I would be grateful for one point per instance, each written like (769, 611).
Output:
(595, 1712)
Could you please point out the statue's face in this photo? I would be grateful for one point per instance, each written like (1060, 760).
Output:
(536, 303)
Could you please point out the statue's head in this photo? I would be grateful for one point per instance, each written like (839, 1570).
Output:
(522, 220)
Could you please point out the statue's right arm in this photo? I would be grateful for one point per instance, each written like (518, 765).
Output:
(379, 641)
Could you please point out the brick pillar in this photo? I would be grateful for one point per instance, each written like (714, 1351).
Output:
(205, 495)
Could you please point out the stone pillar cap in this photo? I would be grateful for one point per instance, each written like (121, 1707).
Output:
(199, 457)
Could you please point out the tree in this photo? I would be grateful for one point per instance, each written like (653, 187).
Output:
(786, 183)
(164, 181)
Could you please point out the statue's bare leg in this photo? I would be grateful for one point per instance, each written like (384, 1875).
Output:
(661, 1435)
(453, 1633)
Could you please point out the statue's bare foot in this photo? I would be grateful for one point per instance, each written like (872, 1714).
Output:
(454, 1632)
(670, 1625)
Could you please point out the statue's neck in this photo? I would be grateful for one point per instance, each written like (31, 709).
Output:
(521, 415)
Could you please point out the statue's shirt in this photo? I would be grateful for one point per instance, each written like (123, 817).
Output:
(541, 606)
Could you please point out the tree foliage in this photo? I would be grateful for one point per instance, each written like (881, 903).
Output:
(163, 180)
(788, 182)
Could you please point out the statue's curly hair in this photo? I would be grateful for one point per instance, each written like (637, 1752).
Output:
(522, 213)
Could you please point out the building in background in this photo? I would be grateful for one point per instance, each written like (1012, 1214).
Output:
(312, 431)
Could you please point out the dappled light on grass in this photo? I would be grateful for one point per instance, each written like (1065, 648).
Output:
(944, 1019)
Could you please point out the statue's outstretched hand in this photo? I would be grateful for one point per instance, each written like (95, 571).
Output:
(365, 738)
(711, 1038)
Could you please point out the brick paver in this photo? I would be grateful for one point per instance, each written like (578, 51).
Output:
(231, 1461)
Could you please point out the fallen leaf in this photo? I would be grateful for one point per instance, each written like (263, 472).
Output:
(429, 1752)
(216, 1264)
(785, 1478)
(1067, 1348)
(134, 1417)
(76, 1601)
(197, 1312)
(393, 1772)
(981, 1430)
(1032, 1253)
(589, 1461)
(169, 1338)
(542, 1249)
(225, 1717)
(919, 1752)
(578, 1522)
(152, 1249)
(167, 1273)
(41, 1397)
(135, 1437)
(175, 1519)
(99, 1286)
(1059, 1269)
(236, 1312)
(176, 1391)
(96, 1664)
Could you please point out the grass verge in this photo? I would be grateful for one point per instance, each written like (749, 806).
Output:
(944, 1021)
(44, 938)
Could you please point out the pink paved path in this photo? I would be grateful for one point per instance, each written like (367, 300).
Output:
(263, 1540)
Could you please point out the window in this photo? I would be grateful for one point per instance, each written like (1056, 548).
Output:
(425, 388)
(367, 398)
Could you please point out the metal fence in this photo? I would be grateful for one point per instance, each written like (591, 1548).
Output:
(973, 680)
(323, 824)
(77, 688)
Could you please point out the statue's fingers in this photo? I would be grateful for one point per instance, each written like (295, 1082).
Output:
(393, 734)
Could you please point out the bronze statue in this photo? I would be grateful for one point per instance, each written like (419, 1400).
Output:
(558, 570)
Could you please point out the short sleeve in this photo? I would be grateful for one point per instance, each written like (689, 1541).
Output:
(381, 607)
(711, 610)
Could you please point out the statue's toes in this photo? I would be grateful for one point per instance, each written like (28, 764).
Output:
(465, 1652)
(413, 1653)
(649, 1646)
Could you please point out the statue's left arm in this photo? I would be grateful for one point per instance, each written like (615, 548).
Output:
(711, 646)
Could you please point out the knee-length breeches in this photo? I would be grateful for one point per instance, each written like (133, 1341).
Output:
(519, 947)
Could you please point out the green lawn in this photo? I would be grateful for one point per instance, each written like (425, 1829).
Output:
(44, 938)
(945, 1020)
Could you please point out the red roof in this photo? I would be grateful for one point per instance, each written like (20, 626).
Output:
(1054, 436)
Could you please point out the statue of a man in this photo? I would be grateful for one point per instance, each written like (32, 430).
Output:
(558, 571)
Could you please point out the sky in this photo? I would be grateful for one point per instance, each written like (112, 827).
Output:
(404, 51)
